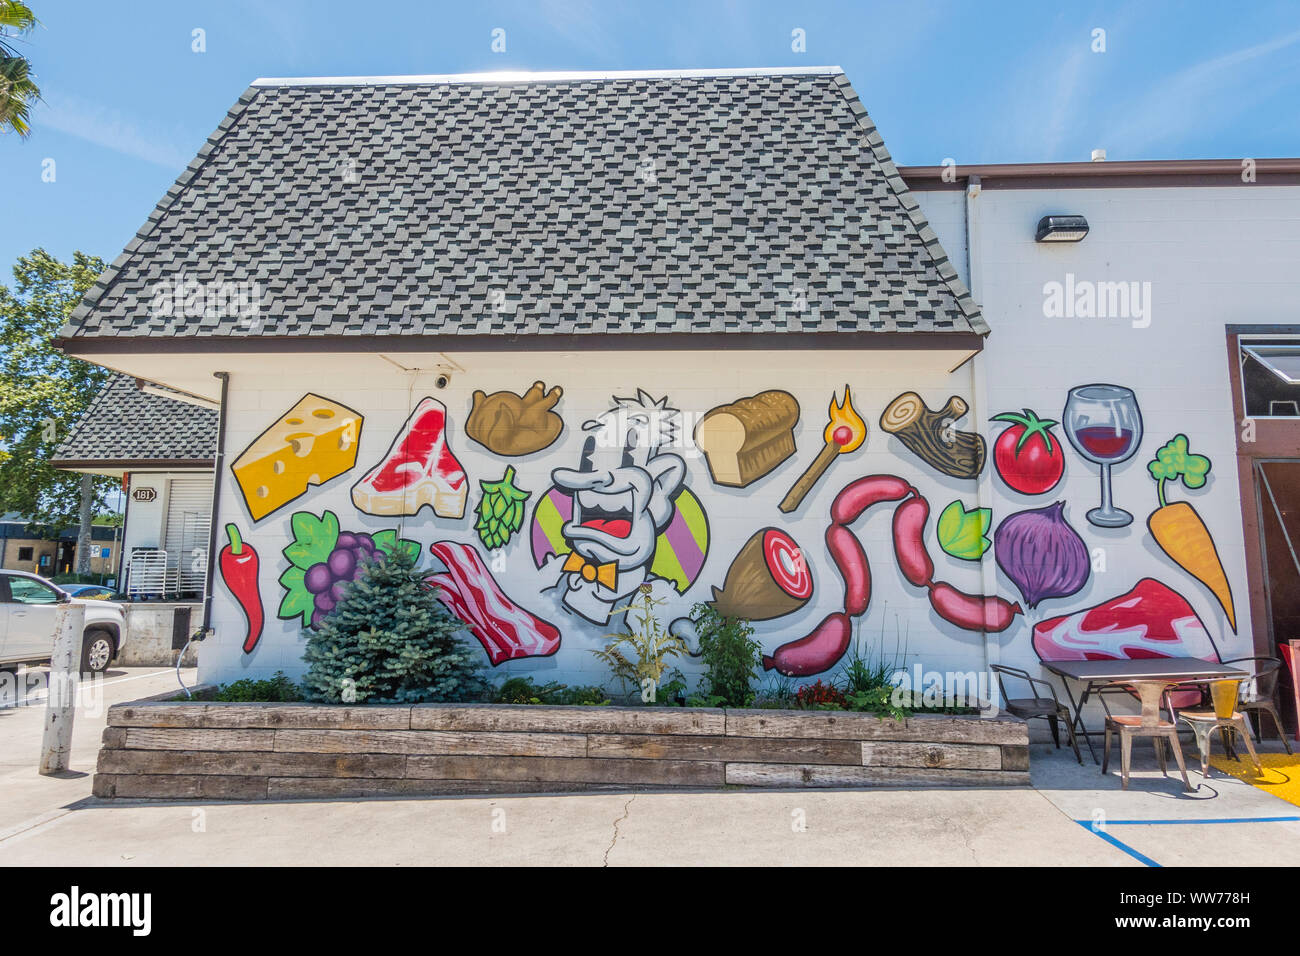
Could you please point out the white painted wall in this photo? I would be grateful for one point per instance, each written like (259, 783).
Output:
(1213, 256)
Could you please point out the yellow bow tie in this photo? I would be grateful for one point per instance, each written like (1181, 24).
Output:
(606, 574)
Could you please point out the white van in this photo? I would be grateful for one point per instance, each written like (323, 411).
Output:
(27, 608)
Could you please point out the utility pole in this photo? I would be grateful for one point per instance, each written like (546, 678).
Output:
(87, 517)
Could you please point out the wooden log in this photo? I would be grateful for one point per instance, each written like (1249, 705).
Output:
(791, 775)
(930, 436)
(747, 749)
(590, 720)
(252, 764)
(186, 738)
(429, 742)
(256, 715)
(840, 725)
(138, 714)
(140, 786)
(890, 753)
(113, 738)
(527, 770)
(1015, 757)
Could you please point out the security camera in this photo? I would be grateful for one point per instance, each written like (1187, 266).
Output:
(442, 381)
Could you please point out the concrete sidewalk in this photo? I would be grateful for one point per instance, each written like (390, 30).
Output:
(54, 822)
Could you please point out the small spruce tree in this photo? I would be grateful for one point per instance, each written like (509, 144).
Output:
(390, 641)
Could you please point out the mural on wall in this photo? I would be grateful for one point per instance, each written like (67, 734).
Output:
(963, 533)
(511, 425)
(747, 439)
(1027, 456)
(930, 436)
(768, 578)
(468, 590)
(1179, 530)
(323, 560)
(500, 510)
(310, 444)
(1151, 620)
(845, 432)
(418, 470)
(238, 564)
(821, 649)
(1042, 555)
(623, 517)
(1104, 424)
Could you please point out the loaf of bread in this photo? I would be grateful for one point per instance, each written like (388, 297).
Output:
(745, 440)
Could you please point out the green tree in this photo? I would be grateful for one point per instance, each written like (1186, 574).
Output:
(18, 91)
(390, 641)
(42, 391)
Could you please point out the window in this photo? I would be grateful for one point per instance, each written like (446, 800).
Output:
(29, 591)
(1270, 377)
(24, 554)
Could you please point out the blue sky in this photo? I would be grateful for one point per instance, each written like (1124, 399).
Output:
(128, 103)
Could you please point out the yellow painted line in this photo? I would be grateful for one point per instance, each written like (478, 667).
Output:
(1281, 775)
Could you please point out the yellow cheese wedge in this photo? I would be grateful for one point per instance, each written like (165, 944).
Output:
(312, 442)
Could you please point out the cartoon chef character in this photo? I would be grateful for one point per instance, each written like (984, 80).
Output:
(623, 496)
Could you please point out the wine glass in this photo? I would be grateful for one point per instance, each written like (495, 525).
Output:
(1104, 424)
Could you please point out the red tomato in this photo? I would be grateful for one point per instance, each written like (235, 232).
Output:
(1027, 456)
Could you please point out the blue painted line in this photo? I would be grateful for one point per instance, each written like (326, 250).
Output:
(1119, 844)
(1166, 823)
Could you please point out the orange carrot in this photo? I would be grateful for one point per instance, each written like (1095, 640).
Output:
(1179, 530)
(1182, 535)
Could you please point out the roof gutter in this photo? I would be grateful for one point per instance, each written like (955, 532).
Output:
(1107, 174)
(214, 514)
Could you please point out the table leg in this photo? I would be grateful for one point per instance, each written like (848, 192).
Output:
(1078, 714)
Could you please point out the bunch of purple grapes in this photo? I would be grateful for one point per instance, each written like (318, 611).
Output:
(328, 580)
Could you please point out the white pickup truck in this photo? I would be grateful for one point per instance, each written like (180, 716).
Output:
(27, 608)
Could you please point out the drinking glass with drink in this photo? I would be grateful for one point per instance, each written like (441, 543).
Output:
(1104, 424)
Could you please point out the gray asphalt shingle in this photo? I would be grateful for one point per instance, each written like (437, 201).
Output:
(761, 202)
(125, 424)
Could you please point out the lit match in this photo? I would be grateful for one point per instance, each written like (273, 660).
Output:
(845, 432)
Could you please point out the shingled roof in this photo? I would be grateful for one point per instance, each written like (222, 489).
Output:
(127, 427)
(716, 202)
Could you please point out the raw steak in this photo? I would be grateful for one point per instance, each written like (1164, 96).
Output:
(418, 469)
(1149, 621)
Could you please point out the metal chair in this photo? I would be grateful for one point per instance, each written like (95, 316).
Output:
(1145, 724)
(1259, 696)
(1225, 717)
(1028, 708)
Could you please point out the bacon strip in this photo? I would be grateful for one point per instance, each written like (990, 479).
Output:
(469, 591)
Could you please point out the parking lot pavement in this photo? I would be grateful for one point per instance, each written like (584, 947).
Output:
(1224, 821)
(26, 797)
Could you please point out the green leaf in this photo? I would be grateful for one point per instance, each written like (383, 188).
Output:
(962, 533)
(313, 538)
(385, 541)
(297, 599)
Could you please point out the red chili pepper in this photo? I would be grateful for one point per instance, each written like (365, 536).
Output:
(909, 541)
(973, 612)
(238, 565)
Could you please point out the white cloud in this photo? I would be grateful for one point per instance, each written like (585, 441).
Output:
(109, 128)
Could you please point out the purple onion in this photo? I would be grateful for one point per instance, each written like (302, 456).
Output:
(1042, 555)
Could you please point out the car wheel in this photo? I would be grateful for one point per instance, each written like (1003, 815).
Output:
(96, 652)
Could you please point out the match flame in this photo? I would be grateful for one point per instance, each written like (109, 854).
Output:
(846, 427)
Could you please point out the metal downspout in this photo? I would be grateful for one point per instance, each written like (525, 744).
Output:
(214, 524)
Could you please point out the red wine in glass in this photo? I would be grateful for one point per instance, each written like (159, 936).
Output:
(1104, 424)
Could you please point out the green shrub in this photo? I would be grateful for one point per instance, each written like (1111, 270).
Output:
(730, 654)
(522, 690)
(278, 689)
(639, 656)
(389, 640)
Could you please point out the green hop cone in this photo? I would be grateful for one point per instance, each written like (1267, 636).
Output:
(500, 510)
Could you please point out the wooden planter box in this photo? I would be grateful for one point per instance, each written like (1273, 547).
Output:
(212, 751)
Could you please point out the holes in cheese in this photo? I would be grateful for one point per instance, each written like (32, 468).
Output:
(312, 443)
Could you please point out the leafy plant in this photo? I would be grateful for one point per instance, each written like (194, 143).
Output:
(878, 700)
(389, 640)
(18, 91)
(706, 700)
(730, 654)
(641, 653)
(278, 689)
(820, 696)
(522, 690)
(962, 533)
